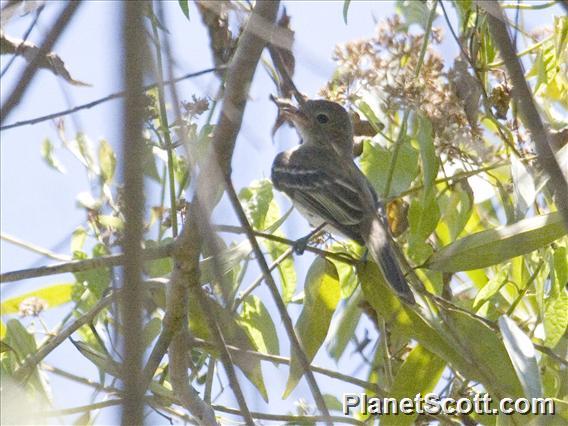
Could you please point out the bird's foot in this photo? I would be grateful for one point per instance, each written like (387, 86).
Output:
(300, 245)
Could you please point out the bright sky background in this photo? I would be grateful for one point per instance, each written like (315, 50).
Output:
(38, 204)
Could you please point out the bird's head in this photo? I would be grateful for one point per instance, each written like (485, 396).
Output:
(320, 122)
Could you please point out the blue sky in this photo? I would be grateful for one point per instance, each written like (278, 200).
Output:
(38, 204)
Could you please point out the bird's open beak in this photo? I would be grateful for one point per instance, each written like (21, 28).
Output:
(289, 111)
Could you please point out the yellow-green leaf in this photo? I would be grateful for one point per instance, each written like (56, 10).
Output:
(556, 317)
(233, 334)
(419, 373)
(107, 161)
(496, 245)
(53, 296)
(258, 324)
(321, 296)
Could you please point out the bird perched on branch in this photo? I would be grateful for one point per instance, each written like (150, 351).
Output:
(326, 186)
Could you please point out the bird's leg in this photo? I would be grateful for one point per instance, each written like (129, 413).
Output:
(300, 244)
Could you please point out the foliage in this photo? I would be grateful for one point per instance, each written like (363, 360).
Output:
(486, 248)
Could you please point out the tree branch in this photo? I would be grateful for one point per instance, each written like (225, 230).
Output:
(284, 317)
(84, 265)
(107, 98)
(189, 243)
(58, 27)
(527, 107)
(133, 293)
(34, 359)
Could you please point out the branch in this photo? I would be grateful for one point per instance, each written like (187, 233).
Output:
(24, 81)
(284, 317)
(105, 99)
(34, 248)
(189, 243)
(527, 107)
(341, 257)
(133, 293)
(84, 265)
(196, 342)
(34, 359)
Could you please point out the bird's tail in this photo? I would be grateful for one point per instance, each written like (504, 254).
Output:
(379, 243)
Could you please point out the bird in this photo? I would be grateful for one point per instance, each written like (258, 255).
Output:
(326, 186)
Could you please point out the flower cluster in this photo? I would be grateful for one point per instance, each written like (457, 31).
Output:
(385, 67)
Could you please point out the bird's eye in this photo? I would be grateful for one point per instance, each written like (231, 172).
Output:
(322, 118)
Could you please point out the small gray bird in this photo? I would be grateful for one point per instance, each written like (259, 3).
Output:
(326, 186)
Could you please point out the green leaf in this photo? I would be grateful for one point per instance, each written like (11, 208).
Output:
(321, 296)
(82, 147)
(151, 331)
(423, 216)
(107, 161)
(97, 280)
(457, 209)
(346, 4)
(556, 317)
(375, 163)
(184, 6)
(490, 288)
(111, 221)
(332, 402)
(496, 245)
(49, 157)
(523, 356)
(414, 12)
(233, 334)
(86, 200)
(286, 268)
(102, 361)
(257, 322)
(560, 266)
(158, 267)
(419, 373)
(523, 186)
(343, 327)
(149, 163)
(430, 162)
(255, 201)
(53, 296)
(463, 341)
(78, 239)
(19, 339)
(370, 115)
(228, 260)
(264, 214)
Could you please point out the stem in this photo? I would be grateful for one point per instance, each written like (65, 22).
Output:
(404, 124)
(166, 132)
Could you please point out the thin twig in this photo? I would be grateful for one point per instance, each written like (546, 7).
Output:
(34, 359)
(341, 257)
(24, 39)
(283, 360)
(165, 128)
(259, 280)
(290, 418)
(107, 98)
(58, 27)
(284, 317)
(403, 127)
(84, 265)
(32, 247)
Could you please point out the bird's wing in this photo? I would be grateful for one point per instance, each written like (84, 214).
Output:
(327, 192)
